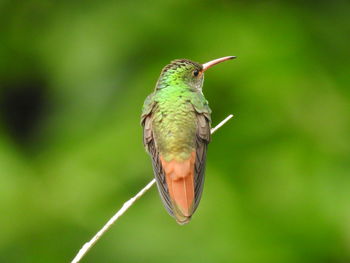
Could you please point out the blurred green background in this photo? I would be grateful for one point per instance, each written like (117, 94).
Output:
(73, 77)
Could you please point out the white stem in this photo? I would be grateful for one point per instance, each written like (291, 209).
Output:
(221, 124)
(87, 246)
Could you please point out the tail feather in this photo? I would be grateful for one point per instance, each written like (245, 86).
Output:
(180, 180)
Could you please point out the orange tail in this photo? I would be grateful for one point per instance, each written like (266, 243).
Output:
(180, 181)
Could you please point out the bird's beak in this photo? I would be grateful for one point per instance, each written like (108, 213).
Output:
(216, 61)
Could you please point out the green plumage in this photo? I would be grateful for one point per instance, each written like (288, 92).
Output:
(175, 103)
(174, 121)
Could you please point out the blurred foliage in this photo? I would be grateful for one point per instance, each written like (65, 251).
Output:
(73, 77)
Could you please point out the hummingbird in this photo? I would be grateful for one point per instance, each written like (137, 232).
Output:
(176, 132)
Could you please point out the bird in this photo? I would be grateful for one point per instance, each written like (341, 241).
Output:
(176, 121)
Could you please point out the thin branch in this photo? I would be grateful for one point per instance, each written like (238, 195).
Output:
(221, 124)
(87, 246)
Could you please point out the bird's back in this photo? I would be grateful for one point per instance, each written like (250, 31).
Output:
(174, 124)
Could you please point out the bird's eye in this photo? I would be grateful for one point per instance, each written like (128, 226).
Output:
(195, 73)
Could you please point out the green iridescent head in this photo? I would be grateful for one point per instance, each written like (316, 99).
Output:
(186, 73)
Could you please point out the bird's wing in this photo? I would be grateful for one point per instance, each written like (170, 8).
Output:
(149, 143)
(202, 140)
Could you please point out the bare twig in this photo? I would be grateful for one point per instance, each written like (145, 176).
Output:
(87, 246)
(221, 124)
